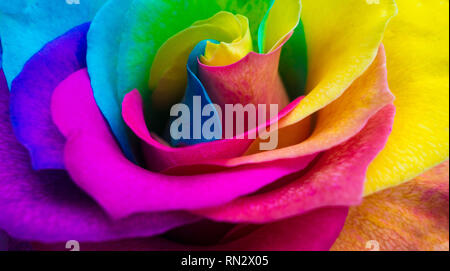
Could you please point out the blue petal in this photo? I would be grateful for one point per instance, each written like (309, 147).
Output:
(104, 40)
(196, 88)
(27, 25)
(1, 53)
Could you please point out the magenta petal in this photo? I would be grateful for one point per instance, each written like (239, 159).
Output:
(336, 179)
(161, 156)
(254, 79)
(97, 165)
(46, 206)
(314, 231)
(31, 93)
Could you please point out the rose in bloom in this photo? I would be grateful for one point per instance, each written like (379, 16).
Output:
(362, 90)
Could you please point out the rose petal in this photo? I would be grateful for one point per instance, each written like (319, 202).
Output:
(26, 26)
(46, 206)
(102, 65)
(280, 20)
(161, 157)
(335, 124)
(9, 244)
(412, 216)
(252, 80)
(342, 38)
(336, 179)
(294, 63)
(417, 44)
(218, 54)
(315, 231)
(145, 34)
(4, 239)
(196, 89)
(98, 167)
(31, 93)
(168, 74)
(1, 53)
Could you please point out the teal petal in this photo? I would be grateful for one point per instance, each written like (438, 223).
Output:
(27, 25)
(103, 47)
(261, 28)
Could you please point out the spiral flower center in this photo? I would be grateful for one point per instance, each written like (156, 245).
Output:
(210, 62)
(168, 73)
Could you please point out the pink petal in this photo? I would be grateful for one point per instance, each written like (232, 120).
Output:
(160, 156)
(336, 179)
(314, 231)
(336, 123)
(252, 80)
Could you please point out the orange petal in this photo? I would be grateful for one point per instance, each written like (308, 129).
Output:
(412, 216)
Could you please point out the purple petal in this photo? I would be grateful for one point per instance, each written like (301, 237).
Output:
(46, 206)
(31, 94)
(4, 240)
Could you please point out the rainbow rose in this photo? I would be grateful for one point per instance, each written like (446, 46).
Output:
(113, 128)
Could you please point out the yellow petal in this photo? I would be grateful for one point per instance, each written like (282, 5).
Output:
(416, 44)
(168, 73)
(342, 39)
(283, 17)
(224, 53)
